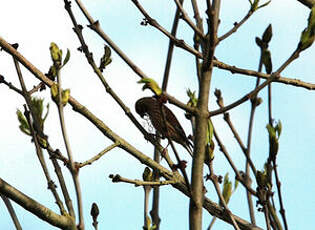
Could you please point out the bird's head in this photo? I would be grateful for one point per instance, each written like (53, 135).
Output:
(142, 106)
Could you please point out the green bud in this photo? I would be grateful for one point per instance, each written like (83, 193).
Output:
(24, 126)
(147, 174)
(56, 54)
(65, 95)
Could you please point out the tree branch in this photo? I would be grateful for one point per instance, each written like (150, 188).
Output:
(63, 222)
(308, 3)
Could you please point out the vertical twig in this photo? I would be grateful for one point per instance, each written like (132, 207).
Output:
(11, 212)
(73, 169)
(248, 149)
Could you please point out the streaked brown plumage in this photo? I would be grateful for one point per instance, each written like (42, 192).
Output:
(170, 127)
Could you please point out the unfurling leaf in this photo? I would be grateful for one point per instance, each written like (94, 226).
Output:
(149, 83)
(65, 95)
(209, 132)
(37, 106)
(147, 174)
(308, 34)
(192, 98)
(67, 58)
(227, 188)
(278, 128)
(106, 59)
(274, 134)
(209, 152)
(24, 126)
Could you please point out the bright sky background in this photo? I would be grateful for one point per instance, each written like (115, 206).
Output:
(34, 24)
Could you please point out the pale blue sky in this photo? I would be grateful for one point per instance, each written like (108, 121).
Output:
(40, 22)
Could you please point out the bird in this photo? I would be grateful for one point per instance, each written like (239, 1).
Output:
(168, 128)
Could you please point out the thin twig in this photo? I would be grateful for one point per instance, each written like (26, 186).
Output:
(197, 40)
(254, 104)
(226, 117)
(36, 88)
(53, 156)
(188, 20)
(214, 180)
(178, 42)
(280, 79)
(74, 171)
(11, 212)
(278, 183)
(238, 176)
(11, 86)
(98, 156)
(236, 26)
(117, 178)
(170, 49)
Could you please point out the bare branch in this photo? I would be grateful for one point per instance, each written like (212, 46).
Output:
(60, 221)
(98, 156)
(308, 3)
(188, 20)
(280, 79)
(117, 178)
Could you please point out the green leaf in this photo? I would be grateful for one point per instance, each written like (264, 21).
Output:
(308, 34)
(235, 184)
(106, 58)
(279, 128)
(192, 98)
(67, 58)
(271, 131)
(209, 132)
(24, 126)
(227, 188)
(149, 83)
(107, 51)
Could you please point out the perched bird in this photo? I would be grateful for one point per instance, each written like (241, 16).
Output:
(170, 127)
